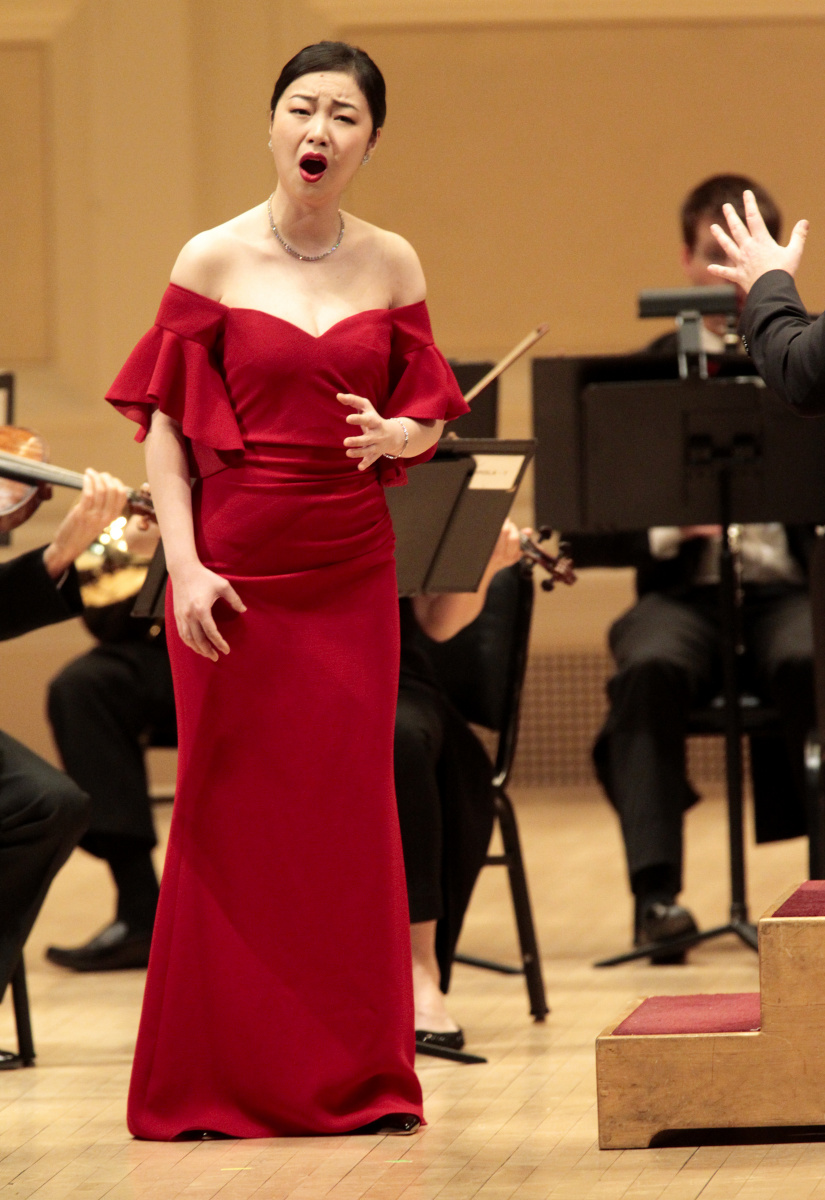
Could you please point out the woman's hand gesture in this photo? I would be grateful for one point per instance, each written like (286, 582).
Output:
(751, 249)
(379, 435)
(195, 590)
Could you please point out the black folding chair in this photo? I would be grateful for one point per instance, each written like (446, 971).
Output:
(22, 1019)
(482, 670)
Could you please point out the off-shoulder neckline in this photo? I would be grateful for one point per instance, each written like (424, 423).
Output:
(316, 337)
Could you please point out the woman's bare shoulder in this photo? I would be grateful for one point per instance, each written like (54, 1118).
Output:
(207, 259)
(399, 262)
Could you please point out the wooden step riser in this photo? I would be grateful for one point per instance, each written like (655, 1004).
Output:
(706, 1081)
(792, 971)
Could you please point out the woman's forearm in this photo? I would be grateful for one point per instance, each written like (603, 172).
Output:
(420, 435)
(167, 469)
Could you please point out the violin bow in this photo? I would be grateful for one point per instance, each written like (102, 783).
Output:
(524, 345)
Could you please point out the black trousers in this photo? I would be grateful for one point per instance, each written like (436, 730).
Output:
(667, 654)
(443, 785)
(42, 815)
(105, 707)
(419, 738)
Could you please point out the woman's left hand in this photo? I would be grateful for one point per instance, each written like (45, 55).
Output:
(379, 436)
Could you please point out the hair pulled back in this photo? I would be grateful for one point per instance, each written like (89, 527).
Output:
(338, 56)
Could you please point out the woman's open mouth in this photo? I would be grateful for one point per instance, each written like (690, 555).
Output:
(312, 167)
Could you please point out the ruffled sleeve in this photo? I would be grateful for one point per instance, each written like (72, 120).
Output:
(422, 386)
(173, 368)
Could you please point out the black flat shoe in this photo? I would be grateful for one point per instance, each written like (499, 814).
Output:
(453, 1040)
(115, 948)
(399, 1124)
(202, 1135)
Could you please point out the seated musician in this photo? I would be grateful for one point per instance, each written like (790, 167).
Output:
(42, 812)
(445, 797)
(667, 649)
(105, 708)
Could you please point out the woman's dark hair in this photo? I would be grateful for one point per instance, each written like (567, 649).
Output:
(338, 56)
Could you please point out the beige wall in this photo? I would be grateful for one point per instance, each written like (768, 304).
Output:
(24, 129)
(537, 165)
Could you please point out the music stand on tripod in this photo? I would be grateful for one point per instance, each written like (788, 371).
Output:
(656, 451)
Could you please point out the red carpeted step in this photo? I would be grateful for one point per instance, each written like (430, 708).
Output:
(807, 901)
(725, 1012)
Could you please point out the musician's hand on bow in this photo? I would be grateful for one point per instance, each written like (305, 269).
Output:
(751, 249)
(102, 499)
(195, 589)
(379, 435)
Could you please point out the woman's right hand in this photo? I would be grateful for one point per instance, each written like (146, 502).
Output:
(195, 590)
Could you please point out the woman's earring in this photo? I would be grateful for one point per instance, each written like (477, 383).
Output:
(269, 143)
(365, 160)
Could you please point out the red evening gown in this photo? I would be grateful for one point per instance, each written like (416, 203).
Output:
(279, 996)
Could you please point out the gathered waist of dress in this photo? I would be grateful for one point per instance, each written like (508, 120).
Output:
(294, 464)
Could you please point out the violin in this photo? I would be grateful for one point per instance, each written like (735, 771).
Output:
(25, 474)
(560, 567)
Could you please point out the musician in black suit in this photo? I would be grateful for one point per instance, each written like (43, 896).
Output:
(42, 813)
(667, 649)
(105, 707)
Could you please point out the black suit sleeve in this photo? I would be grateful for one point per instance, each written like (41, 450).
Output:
(29, 597)
(607, 549)
(785, 342)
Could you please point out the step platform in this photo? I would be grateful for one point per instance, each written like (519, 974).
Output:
(730, 1060)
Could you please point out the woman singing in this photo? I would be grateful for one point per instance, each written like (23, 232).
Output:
(290, 366)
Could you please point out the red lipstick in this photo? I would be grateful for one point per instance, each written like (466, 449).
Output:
(312, 166)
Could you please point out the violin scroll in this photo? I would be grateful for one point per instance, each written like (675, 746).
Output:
(560, 567)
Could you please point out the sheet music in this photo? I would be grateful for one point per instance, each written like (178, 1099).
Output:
(495, 472)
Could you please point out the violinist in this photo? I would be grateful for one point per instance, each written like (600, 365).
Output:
(42, 812)
(105, 707)
(443, 784)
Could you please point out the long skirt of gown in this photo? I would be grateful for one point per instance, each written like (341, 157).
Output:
(279, 997)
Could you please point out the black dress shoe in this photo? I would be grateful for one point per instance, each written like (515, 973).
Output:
(115, 948)
(663, 923)
(453, 1040)
(400, 1124)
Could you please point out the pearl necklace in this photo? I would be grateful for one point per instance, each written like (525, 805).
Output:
(291, 249)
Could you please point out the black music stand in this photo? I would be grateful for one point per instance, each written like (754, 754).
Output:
(448, 517)
(686, 452)
(7, 418)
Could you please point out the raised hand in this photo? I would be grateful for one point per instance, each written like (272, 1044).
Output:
(379, 435)
(751, 249)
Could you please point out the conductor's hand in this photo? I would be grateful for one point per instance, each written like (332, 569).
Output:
(751, 249)
(102, 499)
(378, 435)
(196, 589)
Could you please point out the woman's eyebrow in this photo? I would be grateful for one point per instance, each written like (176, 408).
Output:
(313, 100)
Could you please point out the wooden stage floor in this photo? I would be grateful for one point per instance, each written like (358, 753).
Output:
(523, 1126)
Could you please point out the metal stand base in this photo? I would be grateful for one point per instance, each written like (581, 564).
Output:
(743, 929)
(459, 1056)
